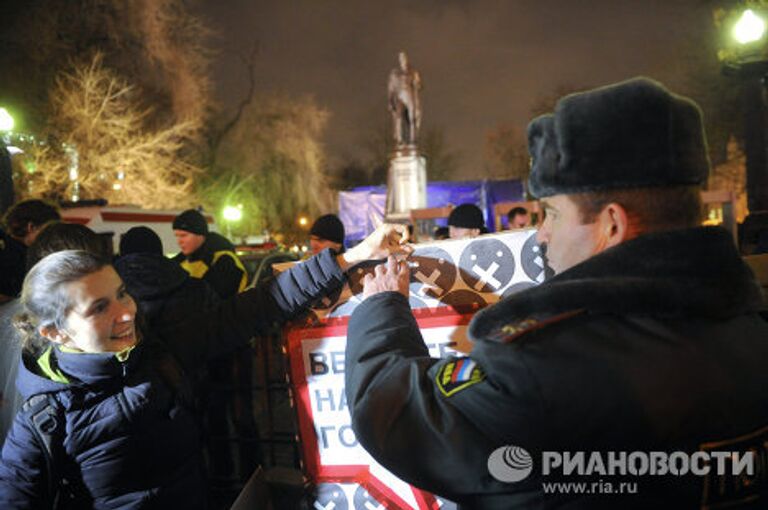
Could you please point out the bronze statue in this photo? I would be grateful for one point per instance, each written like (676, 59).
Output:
(404, 103)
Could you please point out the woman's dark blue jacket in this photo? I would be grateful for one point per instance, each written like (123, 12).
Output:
(130, 439)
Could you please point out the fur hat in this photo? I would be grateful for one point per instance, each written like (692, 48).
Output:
(328, 227)
(631, 134)
(466, 216)
(140, 240)
(191, 221)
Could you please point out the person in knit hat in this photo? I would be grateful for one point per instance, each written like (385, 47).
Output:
(208, 255)
(466, 222)
(140, 240)
(166, 294)
(211, 257)
(648, 341)
(327, 232)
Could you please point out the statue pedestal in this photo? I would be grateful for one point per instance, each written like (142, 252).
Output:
(406, 184)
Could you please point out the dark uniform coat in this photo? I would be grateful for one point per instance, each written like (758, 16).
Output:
(130, 440)
(217, 264)
(654, 345)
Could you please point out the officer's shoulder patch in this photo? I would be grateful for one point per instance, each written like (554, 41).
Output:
(512, 330)
(458, 374)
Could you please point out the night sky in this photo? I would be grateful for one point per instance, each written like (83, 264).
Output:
(483, 62)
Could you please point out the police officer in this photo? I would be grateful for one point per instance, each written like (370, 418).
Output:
(212, 258)
(648, 339)
(208, 255)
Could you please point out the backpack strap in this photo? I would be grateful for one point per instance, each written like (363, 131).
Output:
(44, 414)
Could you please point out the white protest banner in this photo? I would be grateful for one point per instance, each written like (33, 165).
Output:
(450, 281)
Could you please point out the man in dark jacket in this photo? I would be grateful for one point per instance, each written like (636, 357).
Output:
(208, 255)
(211, 257)
(165, 293)
(626, 376)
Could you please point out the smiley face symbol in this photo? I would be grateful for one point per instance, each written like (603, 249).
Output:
(487, 265)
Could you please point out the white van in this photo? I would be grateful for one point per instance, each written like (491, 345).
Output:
(118, 220)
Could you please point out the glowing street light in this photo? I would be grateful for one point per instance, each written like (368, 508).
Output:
(6, 120)
(750, 28)
(233, 214)
(743, 53)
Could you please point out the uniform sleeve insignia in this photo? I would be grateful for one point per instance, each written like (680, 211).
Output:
(457, 375)
(513, 330)
(519, 327)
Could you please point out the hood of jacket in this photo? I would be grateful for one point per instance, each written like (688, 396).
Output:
(694, 272)
(148, 276)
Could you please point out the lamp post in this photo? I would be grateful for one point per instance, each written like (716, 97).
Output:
(744, 54)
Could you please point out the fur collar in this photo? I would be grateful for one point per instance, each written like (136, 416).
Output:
(694, 272)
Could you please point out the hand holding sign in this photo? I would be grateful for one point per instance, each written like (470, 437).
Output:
(388, 239)
(392, 276)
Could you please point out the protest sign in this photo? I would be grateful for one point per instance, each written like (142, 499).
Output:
(450, 281)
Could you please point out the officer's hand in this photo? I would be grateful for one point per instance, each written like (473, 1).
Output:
(388, 239)
(392, 276)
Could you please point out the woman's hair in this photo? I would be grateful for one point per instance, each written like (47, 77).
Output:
(45, 301)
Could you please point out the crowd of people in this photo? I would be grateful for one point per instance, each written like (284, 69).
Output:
(650, 337)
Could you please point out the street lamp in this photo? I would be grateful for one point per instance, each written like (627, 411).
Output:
(749, 28)
(744, 53)
(231, 215)
(6, 120)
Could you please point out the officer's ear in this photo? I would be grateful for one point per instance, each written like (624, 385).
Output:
(614, 225)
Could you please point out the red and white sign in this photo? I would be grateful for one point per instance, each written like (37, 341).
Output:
(450, 281)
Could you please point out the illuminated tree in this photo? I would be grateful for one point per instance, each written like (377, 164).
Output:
(272, 162)
(120, 157)
(157, 43)
(150, 52)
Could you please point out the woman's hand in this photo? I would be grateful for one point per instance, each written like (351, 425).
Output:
(389, 239)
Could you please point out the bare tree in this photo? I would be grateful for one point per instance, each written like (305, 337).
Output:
(175, 41)
(158, 44)
(118, 156)
(273, 163)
